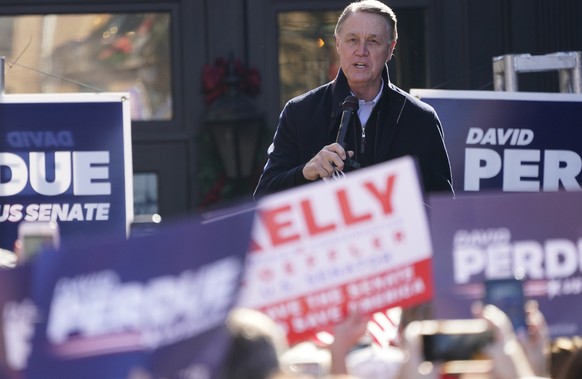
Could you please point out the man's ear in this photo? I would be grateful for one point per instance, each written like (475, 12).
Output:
(391, 50)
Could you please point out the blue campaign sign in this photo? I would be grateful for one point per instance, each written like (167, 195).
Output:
(511, 141)
(154, 304)
(533, 236)
(65, 158)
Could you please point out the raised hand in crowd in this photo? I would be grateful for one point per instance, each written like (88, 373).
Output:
(509, 358)
(346, 335)
(536, 343)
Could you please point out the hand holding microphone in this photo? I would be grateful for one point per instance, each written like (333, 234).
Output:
(334, 157)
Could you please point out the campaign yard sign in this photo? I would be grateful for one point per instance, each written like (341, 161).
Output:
(152, 305)
(511, 141)
(65, 158)
(322, 250)
(534, 236)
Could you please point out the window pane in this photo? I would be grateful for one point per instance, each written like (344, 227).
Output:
(307, 54)
(92, 52)
(145, 193)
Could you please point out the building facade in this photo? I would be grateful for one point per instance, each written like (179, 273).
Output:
(176, 57)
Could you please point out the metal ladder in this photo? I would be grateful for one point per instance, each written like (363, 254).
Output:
(568, 64)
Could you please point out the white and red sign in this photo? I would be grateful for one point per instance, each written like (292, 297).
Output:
(329, 248)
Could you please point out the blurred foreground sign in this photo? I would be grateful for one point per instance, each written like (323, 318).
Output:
(322, 250)
(152, 305)
(497, 236)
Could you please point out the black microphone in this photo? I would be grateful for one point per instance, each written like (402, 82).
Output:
(349, 107)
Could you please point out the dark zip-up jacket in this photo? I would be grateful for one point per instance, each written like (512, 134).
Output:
(405, 126)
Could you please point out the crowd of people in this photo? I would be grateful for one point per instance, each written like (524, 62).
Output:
(391, 345)
(260, 351)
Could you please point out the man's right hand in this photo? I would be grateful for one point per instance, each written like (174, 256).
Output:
(324, 163)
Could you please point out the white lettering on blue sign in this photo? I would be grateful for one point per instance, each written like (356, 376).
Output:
(490, 252)
(55, 212)
(163, 310)
(40, 139)
(520, 169)
(87, 172)
(499, 136)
